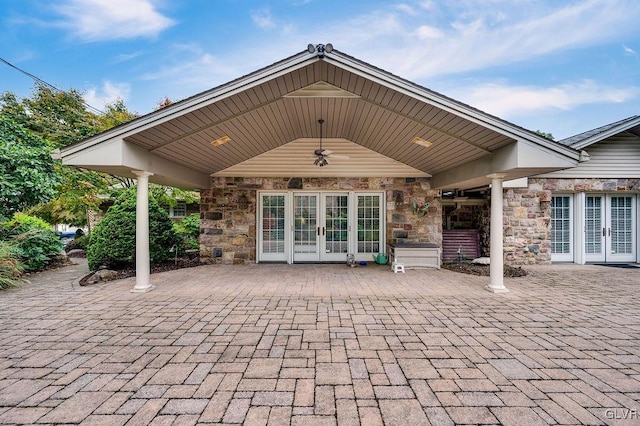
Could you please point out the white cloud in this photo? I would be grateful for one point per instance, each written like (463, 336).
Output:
(263, 19)
(425, 32)
(475, 35)
(629, 51)
(405, 8)
(107, 94)
(95, 20)
(508, 101)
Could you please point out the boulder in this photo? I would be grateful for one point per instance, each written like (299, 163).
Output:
(101, 275)
(77, 253)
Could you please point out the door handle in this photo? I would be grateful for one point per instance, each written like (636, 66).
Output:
(318, 231)
(609, 230)
(323, 229)
(604, 232)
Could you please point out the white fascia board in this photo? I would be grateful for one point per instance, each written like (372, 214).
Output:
(604, 135)
(432, 98)
(196, 102)
(508, 159)
(117, 154)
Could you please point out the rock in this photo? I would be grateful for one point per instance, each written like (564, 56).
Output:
(77, 253)
(482, 261)
(102, 275)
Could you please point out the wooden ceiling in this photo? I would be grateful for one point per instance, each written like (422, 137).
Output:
(284, 109)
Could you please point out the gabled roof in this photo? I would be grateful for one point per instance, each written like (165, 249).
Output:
(278, 107)
(583, 140)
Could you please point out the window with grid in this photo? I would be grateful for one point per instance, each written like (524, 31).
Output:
(368, 223)
(273, 210)
(560, 224)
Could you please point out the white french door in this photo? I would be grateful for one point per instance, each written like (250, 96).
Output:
(610, 228)
(562, 228)
(322, 226)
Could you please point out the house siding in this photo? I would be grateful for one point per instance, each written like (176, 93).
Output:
(228, 211)
(616, 157)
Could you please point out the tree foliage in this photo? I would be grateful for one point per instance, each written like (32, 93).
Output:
(35, 244)
(112, 242)
(61, 118)
(27, 175)
(545, 135)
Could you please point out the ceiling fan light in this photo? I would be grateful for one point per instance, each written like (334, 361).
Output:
(222, 140)
(422, 142)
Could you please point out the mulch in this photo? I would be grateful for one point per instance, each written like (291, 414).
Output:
(482, 270)
(170, 266)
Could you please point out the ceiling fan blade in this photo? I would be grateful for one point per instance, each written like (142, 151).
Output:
(327, 152)
(340, 156)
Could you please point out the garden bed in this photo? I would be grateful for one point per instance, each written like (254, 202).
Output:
(131, 272)
(482, 270)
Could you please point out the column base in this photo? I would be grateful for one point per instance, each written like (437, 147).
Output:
(497, 289)
(143, 289)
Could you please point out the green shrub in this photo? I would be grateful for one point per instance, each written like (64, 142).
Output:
(80, 242)
(10, 266)
(34, 242)
(189, 230)
(113, 241)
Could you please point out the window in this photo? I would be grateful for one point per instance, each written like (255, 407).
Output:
(179, 210)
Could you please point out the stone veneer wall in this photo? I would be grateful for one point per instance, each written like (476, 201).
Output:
(527, 214)
(228, 211)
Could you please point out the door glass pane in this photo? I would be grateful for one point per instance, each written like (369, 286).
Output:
(305, 224)
(593, 224)
(560, 225)
(368, 223)
(336, 214)
(621, 225)
(273, 223)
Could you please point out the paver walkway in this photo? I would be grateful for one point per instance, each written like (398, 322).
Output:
(323, 345)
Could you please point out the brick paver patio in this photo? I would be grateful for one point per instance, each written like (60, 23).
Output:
(322, 345)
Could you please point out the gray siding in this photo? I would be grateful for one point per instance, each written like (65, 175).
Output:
(616, 157)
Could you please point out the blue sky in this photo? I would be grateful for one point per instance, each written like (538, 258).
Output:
(561, 66)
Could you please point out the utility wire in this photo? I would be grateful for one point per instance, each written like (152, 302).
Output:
(41, 81)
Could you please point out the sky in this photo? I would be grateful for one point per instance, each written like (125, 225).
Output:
(559, 66)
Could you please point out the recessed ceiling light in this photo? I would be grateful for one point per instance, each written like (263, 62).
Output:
(420, 141)
(220, 141)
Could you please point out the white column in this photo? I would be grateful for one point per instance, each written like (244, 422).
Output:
(496, 283)
(142, 233)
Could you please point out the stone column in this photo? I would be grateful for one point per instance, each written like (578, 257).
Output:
(142, 233)
(496, 284)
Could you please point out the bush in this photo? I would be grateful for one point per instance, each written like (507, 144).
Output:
(112, 242)
(10, 266)
(34, 242)
(189, 230)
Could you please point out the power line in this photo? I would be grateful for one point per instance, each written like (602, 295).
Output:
(51, 86)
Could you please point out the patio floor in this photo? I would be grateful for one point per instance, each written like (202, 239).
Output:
(322, 345)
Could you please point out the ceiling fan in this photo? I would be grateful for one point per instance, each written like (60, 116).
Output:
(323, 154)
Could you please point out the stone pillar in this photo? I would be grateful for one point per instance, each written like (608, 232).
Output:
(142, 233)
(496, 284)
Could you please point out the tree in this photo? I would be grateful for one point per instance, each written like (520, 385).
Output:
(62, 118)
(27, 174)
(545, 135)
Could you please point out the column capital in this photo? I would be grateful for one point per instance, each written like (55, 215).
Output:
(497, 175)
(141, 173)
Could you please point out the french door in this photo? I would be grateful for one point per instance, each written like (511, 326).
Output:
(319, 226)
(562, 228)
(610, 228)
